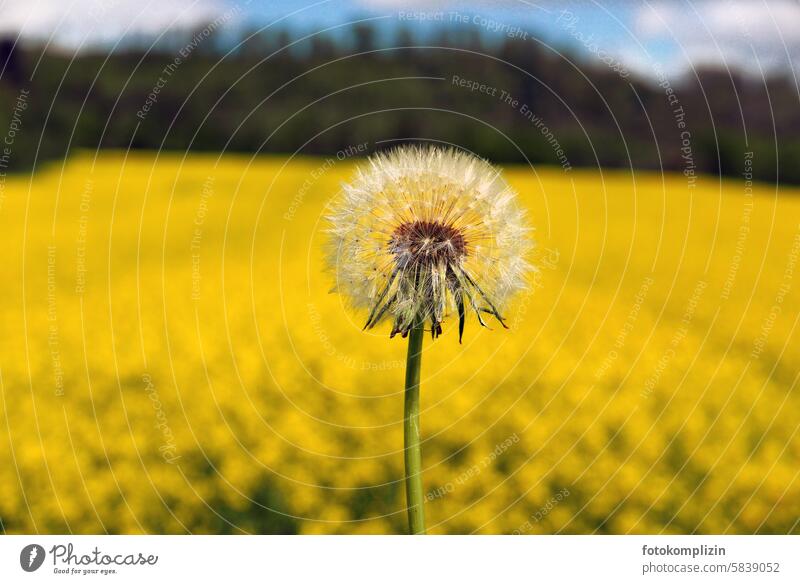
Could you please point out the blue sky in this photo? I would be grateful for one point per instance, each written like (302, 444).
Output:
(609, 24)
(673, 35)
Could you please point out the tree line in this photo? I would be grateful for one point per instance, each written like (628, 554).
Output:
(511, 100)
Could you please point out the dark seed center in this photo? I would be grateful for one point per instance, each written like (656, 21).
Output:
(427, 242)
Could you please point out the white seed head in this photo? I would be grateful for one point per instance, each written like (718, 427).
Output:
(423, 232)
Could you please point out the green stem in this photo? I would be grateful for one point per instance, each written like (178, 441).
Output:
(413, 452)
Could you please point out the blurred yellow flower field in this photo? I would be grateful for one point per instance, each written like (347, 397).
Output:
(172, 361)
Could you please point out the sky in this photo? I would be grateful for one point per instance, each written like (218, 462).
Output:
(641, 36)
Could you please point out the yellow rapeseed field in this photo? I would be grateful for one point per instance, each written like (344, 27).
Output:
(172, 360)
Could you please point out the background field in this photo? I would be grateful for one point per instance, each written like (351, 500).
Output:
(172, 360)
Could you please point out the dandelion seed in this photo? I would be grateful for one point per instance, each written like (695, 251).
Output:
(424, 232)
(419, 233)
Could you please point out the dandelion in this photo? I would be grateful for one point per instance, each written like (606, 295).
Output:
(419, 234)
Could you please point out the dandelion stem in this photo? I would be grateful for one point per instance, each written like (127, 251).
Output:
(413, 451)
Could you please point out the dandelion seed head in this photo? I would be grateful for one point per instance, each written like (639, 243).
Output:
(423, 232)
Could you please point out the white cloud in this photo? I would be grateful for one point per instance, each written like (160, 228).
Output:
(77, 22)
(752, 34)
